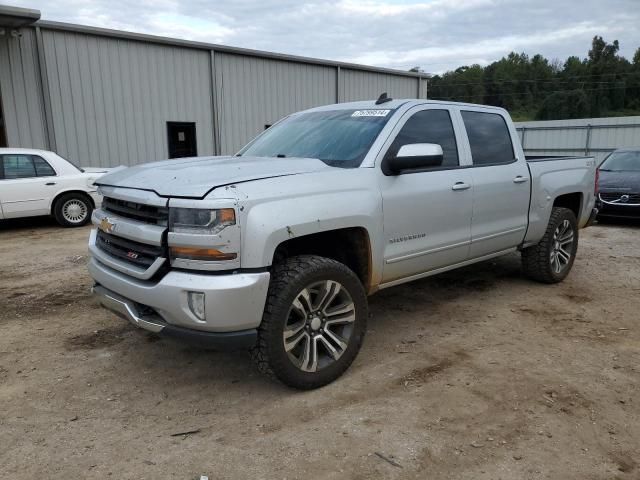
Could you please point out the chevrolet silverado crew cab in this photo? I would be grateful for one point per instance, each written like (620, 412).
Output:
(275, 249)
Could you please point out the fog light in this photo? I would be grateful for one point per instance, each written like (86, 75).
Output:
(196, 304)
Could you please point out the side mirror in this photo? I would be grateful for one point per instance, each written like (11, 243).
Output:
(415, 156)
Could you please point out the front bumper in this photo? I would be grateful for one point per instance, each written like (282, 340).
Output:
(97, 199)
(233, 302)
(618, 211)
(128, 310)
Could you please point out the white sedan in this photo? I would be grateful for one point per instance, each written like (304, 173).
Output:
(38, 182)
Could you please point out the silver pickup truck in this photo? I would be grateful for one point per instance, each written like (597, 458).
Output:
(275, 249)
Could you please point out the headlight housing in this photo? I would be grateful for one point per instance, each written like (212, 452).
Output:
(200, 221)
(202, 238)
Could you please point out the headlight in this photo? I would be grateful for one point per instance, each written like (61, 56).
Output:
(197, 234)
(199, 221)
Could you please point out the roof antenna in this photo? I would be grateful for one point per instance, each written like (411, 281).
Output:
(384, 98)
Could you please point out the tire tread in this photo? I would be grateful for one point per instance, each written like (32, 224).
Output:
(535, 259)
(283, 275)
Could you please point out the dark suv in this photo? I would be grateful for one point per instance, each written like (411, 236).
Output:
(620, 184)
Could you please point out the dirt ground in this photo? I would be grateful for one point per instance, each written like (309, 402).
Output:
(475, 374)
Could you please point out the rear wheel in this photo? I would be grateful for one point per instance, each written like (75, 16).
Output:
(550, 261)
(314, 322)
(73, 210)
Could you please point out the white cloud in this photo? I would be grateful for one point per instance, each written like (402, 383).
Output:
(435, 34)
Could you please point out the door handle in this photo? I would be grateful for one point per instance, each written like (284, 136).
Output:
(460, 186)
(50, 183)
(520, 179)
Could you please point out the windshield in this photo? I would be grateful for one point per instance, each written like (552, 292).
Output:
(622, 162)
(340, 138)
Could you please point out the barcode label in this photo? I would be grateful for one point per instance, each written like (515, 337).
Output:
(370, 113)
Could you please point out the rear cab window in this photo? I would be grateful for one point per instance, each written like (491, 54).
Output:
(489, 138)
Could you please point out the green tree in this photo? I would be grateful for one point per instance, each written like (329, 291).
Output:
(601, 84)
(564, 105)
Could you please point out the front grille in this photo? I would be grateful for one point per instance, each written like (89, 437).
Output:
(613, 196)
(137, 211)
(136, 253)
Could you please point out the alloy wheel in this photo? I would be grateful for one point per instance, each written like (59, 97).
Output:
(562, 247)
(319, 325)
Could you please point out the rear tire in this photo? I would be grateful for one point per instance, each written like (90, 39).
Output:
(73, 210)
(313, 324)
(550, 261)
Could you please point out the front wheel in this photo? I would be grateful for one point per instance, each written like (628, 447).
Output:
(550, 261)
(314, 322)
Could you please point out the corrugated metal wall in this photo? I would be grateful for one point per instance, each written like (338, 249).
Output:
(111, 98)
(102, 98)
(21, 91)
(587, 136)
(359, 85)
(254, 92)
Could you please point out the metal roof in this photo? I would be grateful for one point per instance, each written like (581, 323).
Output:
(16, 17)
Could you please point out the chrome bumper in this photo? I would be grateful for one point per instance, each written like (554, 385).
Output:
(232, 302)
(126, 309)
(129, 311)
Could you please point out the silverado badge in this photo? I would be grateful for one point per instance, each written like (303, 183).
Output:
(106, 226)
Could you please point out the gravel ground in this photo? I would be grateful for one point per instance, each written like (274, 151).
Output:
(474, 374)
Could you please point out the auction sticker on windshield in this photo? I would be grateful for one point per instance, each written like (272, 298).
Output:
(370, 113)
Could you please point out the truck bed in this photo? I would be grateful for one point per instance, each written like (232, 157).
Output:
(552, 177)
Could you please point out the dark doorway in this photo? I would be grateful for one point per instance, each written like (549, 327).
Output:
(182, 139)
(3, 132)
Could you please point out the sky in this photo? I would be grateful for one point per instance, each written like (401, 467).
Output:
(436, 35)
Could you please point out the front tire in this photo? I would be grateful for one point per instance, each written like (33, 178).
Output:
(550, 261)
(73, 210)
(313, 324)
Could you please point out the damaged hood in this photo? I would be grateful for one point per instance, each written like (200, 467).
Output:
(196, 177)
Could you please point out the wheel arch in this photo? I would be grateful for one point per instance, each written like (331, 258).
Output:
(350, 246)
(572, 201)
(58, 195)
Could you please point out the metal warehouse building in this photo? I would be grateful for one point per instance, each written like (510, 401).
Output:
(595, 137)
(104, 98)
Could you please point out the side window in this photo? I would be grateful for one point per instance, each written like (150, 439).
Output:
(43, 169)
(488, 137)
(429, 126)
(18, 166)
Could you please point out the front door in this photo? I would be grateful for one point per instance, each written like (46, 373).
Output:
(427, 214)
(501, 185)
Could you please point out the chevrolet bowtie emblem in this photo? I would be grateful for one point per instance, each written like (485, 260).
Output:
(106, 226)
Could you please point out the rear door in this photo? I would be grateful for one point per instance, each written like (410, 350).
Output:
(27, 183)
(501, 184)
(427, 213)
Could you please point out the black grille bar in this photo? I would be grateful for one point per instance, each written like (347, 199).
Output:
(137, 211)
(133, 252)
